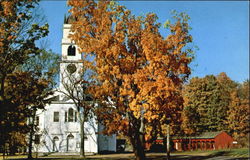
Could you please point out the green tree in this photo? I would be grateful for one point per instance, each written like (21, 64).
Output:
(206, 104)
(45, 66)
(17, 39)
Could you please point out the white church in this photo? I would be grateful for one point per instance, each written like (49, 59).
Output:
(59, 127)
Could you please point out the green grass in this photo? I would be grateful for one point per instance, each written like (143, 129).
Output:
(235, 153)
(239, 152)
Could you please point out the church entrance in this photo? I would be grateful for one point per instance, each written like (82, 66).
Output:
(70, 143)
(55, 144)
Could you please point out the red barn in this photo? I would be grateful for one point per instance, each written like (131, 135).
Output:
(204, 141)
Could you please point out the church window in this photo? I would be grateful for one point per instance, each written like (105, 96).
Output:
(85, 137)
(71, 115)
(78, 145)
(56, 116)
(71, 50)
(71, 68)
(37, 121)
(70, 136)
(66, 116)
(75, 116)
(37, 139)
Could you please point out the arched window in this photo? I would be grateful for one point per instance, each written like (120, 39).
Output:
(71, 115)
(70, 136)
(55, 138)
(71, 50)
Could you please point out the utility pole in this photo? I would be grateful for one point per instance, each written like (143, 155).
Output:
(168, 137)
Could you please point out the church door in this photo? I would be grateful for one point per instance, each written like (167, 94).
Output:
(70, 143)
(55, 144)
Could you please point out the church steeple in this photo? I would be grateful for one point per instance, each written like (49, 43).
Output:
(70, 64)
(69, 49)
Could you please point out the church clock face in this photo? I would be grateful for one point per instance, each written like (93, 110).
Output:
(71, 68)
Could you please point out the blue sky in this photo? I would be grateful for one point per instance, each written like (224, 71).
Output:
(219, 28)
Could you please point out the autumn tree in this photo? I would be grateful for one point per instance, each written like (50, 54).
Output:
(227, 84)
(19, 90)
(138, 73)
(238, 114)
(24, 93)
(17, 41)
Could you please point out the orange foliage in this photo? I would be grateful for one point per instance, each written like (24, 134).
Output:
(139, 74)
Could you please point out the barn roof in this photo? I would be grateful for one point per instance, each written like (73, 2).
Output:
(209, 134)
(204, 135)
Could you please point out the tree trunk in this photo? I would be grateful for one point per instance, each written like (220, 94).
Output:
(137, 138)
(168, 142)
(31, 134)
(138, 147)
(2, 96)
(4, 150)
(82, 121)
(13, 149)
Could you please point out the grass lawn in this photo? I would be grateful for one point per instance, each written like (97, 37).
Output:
(241, 153)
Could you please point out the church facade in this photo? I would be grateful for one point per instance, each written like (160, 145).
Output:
(59, 126)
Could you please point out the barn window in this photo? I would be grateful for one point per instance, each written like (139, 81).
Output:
(71, 50)
(56, 116)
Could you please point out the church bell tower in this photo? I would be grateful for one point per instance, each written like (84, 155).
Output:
(71, 64)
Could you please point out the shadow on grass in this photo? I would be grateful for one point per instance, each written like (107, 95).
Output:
(150, 158)
(220, 155)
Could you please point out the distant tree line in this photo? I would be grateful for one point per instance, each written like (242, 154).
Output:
(216, 103)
